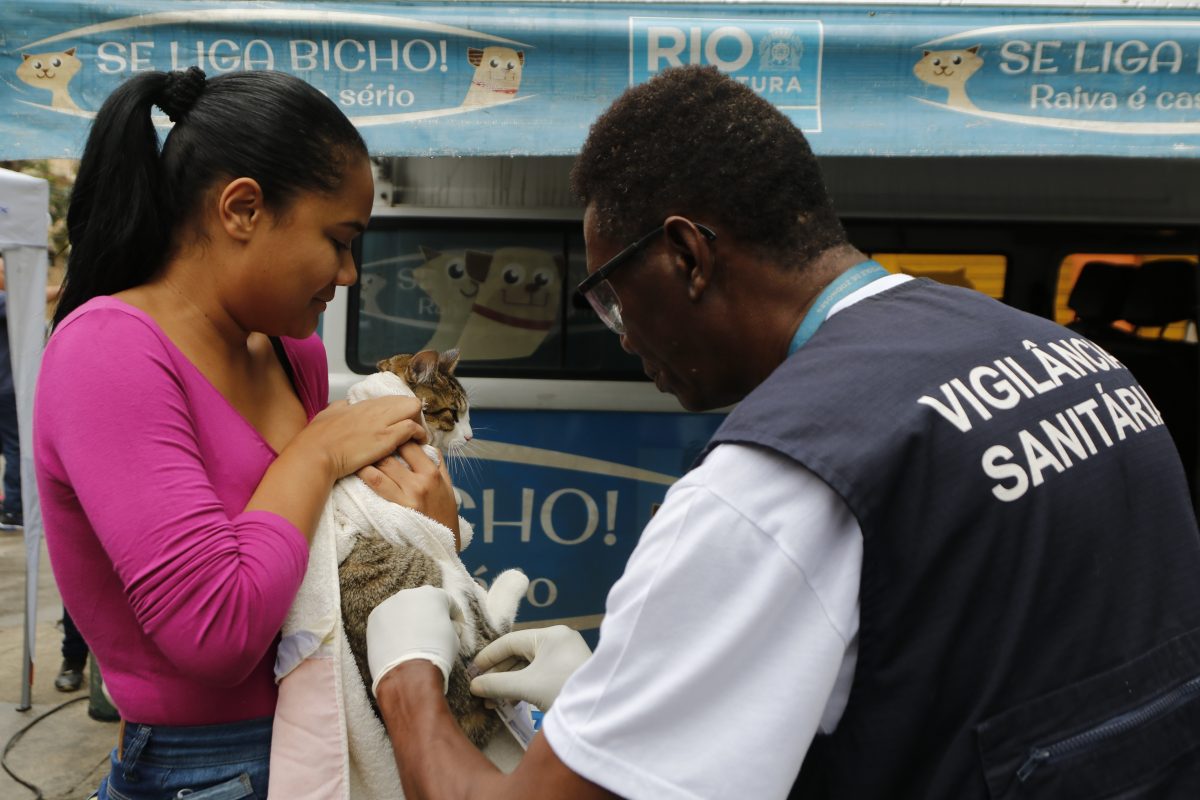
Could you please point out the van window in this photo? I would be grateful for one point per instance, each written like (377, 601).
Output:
(984, 273)
(503, 293)
(1160, 307)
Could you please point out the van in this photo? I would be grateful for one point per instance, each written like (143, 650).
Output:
(575, 448)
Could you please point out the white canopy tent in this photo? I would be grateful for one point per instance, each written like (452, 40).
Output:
(24, 228)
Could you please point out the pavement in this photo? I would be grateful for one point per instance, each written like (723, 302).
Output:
(64, 754)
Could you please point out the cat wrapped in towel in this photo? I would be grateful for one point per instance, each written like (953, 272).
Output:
(328, 740)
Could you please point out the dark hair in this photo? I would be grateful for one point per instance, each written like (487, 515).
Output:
(131, 201)
(693, 141)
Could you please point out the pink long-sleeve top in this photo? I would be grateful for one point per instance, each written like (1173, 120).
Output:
(143, 471)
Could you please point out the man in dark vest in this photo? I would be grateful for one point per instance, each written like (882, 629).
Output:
(941, 548)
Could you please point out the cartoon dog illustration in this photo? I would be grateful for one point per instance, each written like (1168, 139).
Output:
(950, 70)
(451, 279)
(52, 72)
(516, 307)
(497, 75)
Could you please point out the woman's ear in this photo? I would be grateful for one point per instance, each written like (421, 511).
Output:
(241, 209)
(691, 253)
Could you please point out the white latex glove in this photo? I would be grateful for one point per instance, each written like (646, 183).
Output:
(411, 624)
(553, 654)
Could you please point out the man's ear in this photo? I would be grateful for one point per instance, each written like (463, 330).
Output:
(241, 209)
(691, 254)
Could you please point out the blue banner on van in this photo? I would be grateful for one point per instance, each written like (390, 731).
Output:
(528, 78)
(569, 520)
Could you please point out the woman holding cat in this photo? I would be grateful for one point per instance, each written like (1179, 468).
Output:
(184, 449)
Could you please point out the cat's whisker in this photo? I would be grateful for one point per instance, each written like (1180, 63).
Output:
(473, 467)
(468, 467)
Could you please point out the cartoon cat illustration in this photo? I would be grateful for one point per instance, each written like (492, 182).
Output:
(451, 279)
(517, 305)
(950, 70)
(497, 75)
(52, 72)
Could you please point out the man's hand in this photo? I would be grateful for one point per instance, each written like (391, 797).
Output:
(552, 654)
(413, 624)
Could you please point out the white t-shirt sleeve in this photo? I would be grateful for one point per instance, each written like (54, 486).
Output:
(727, 643)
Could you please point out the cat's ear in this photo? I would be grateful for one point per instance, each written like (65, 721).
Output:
(428, 253)
(475, 56)
(422, 367)
(925, 53)
(521, 57)
(392, 363)
(26, 56)
(973, 50)
(449, 360)
(70, 52)
(478, 265)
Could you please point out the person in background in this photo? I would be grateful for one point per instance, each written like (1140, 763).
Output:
(940, 549)
(74, 656)
(183, 441)
(11, 516)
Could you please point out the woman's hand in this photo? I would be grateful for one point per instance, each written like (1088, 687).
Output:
(340, 440)
(415, 481)
(350, 437)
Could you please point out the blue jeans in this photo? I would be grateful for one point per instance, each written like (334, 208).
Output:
(203, 762)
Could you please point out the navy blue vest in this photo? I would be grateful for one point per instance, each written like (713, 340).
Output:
(1030, 597)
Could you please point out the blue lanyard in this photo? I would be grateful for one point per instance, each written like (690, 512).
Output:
(849, 281)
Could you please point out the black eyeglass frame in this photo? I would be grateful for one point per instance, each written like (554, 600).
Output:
(606, 269)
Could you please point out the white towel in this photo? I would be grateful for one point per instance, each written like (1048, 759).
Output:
(313, 637)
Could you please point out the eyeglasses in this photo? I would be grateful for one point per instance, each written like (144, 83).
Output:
(600, 293)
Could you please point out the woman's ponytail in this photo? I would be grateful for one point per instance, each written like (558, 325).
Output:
(117, 222)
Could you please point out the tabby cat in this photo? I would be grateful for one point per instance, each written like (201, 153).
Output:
(375, 569)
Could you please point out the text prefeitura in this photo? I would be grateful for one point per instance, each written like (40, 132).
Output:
(1056, 442)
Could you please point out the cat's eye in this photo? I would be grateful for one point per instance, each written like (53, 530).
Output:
(512, 275)
(495, 62)
(957, 59)
(541, 279)
(37, 65)
(937, 62)
(455, 269)
(511, 65)
(437, 412)
(55, 62)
